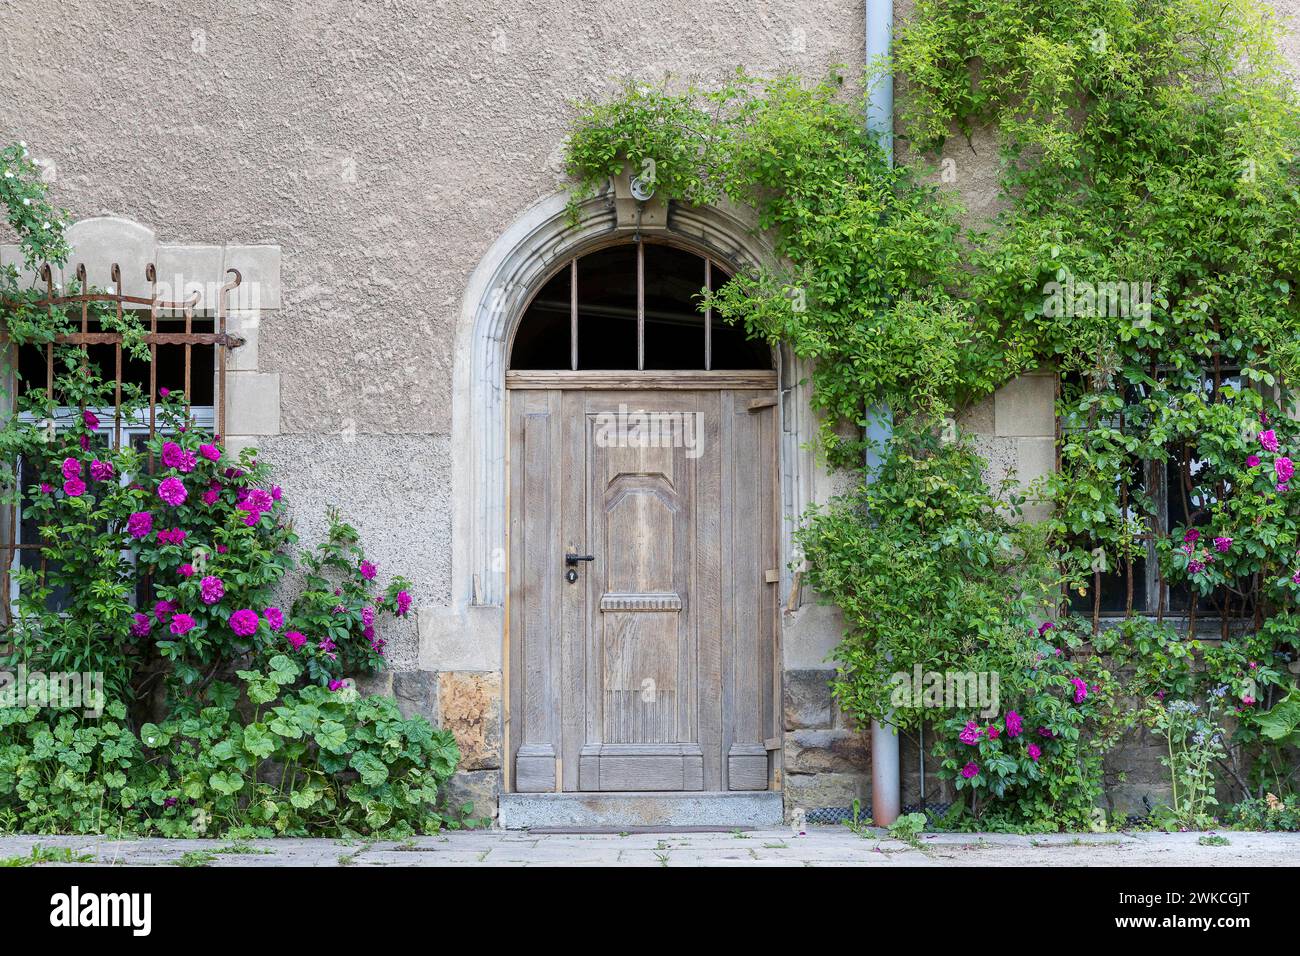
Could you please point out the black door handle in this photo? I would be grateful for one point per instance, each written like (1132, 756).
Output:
(573, 558)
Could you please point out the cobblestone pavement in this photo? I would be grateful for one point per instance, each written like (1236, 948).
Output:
(822, 846)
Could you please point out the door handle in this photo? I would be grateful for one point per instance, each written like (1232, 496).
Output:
(571, 559)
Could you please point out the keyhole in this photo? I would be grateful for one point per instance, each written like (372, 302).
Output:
(571, 575)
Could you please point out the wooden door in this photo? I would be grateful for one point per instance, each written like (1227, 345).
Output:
(652, 666)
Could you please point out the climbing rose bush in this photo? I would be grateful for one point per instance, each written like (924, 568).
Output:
(1036, 763)
(189, 560)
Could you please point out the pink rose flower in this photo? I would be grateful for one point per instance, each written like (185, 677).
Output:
(1268, 440)
(403, 603)
(297, 639)
(1014, 724)
(101, 470)
(71, 468)
(139, 524)
(210, 452)
(970, 770)
(1034, 752)
(274, 618)
(172, 491)
(74, 487)
(181, 624)
(89, 418)
(140, 625)
(212, 589)
(244, 622)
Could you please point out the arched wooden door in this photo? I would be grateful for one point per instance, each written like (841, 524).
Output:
(643, 559)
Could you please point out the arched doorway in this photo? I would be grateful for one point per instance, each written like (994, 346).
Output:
(643, 514)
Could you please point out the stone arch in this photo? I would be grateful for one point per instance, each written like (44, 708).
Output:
(498, 293)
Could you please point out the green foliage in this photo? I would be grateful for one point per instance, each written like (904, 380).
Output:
(1270, 812)
(908, 827)
(974, 578)
(1143, 250)
(338, 605)
(308, 762)
(1038, 763)
(1194, 739)
(868, 253)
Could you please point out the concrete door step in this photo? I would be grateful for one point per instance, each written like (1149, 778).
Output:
(620, 812)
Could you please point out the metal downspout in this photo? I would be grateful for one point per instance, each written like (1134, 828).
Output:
(885, 764)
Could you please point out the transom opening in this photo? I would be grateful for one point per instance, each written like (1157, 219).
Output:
(633, 306)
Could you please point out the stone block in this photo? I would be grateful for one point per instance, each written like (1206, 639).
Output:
(184, 270)
(416, 693)
(817, 790)
(807, 699)
(375, 685)
(102, 241)
(469, 705)
(479, 788)
(979, 419)
(460, 639)
(826, 751)
(253, 403)
(1026, 407)
(259, 272)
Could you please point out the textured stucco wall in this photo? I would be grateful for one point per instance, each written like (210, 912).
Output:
(383, 146)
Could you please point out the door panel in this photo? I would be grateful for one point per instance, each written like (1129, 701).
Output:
(655, 669)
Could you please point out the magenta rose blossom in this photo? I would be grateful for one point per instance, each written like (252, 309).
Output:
(174, 536)
(297, 639)
(1252, 461)
(1192, 536)
(89, 418)
(1284, 468)
(139, 524)
(71, 468)
(1222, 544)
(174, 456)
(1014, 724)
(1034, 752)
(1080, 689)
(212, 589)
(1268, 440)
(970, 734)
(162, 608)
(244, 622)
(368, 570)
(140, 625)
(211, 496)
(101, 470)
(181, 624)
(172, 491)
(186, 570)
(993, 732)
(336, 684)
(46, 488)
(274, 618)
(74, 487)
(210, 452)
(970, 770)
(403, 603)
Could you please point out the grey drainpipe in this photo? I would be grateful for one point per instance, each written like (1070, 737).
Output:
(885, 773)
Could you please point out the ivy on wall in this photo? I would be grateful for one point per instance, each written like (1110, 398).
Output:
(1145, 250)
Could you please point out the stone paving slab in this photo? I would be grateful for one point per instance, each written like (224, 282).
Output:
(821, 846)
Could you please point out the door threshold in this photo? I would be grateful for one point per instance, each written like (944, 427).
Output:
(627, 812)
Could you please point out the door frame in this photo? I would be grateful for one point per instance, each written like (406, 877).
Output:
(643, 381)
